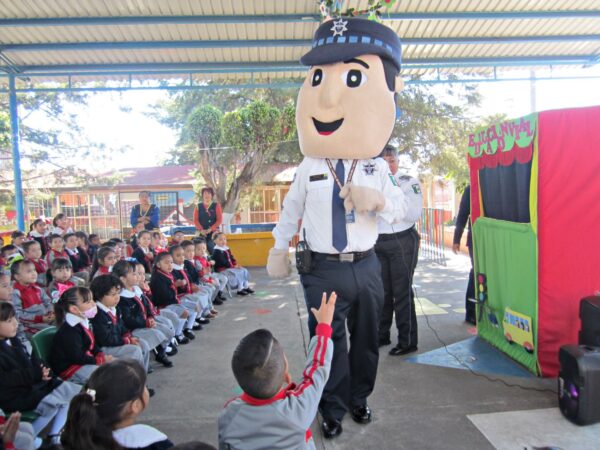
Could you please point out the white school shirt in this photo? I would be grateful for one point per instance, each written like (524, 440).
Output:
(106, 309)
(414, 205)
(73, 320)
(310, 198)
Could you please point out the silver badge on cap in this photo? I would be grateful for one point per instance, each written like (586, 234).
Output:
(339, 26)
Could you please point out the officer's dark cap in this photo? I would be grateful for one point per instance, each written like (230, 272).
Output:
(346, 38)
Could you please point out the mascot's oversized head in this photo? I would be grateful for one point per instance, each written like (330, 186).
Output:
(347, 105)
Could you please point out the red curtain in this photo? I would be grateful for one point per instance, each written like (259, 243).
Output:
(568, 225)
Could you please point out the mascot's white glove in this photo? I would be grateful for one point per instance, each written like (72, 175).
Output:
(278, 264)
(362, 199)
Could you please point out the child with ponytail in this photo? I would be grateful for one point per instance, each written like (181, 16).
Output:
(75, 354)
(103, 416)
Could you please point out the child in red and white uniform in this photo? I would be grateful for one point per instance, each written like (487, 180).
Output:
(39, 232)
(32, 304)
(106, 257)
(33, 252)
(204, 266)
(61, 225)
(57, 248)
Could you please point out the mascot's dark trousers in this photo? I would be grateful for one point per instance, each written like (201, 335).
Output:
(359, 301)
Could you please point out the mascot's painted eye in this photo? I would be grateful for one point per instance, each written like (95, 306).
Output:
(317, 77)
(354, 78)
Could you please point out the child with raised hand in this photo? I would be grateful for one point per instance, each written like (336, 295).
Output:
(60, 278)
(143, 252)
(105, 259)
(110, 332)
(267, 414)
(166, 320)
(33, 252)
(238, 276)
(188, 292)
(39, 232)
(32, 304)
(103, 416)
(79, 260)
(165, 296)
(75, 354)
(57, 248)
(137, 314)
(26, 383)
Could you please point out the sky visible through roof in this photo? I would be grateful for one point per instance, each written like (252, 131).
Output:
(122, 119)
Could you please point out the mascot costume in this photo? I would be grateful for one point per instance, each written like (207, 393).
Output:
(345, 115)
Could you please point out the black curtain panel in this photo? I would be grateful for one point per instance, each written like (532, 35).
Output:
(505, 192)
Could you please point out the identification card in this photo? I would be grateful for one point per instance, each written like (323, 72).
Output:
(350, 217)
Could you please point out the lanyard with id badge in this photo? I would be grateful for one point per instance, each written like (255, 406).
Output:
(350, 216)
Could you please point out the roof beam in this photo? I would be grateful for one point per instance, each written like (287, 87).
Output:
(292, 66)
(199, 44)
(309, 17)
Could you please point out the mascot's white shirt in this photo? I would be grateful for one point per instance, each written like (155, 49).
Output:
(310, 197)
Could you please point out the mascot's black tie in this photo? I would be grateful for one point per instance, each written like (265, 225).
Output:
(338, 213)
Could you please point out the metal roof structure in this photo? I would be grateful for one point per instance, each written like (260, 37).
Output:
(261, 41)
(69, 45)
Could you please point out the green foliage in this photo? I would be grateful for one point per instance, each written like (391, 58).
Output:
(433, 128)
(231, 136)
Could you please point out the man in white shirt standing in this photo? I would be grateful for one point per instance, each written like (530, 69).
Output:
(397, 248)
(345, 115)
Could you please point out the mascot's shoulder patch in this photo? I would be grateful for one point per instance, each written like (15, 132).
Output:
(404, 178)
(416, 188)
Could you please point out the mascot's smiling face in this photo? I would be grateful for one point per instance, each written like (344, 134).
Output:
(345, 110)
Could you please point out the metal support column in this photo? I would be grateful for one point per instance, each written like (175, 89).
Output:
(14, 126)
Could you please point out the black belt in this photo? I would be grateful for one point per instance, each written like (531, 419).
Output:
(388, 236)
(344, 257)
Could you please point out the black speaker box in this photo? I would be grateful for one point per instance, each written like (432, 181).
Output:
(579, 383)
(589, 313)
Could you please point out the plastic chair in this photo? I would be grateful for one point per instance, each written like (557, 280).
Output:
(41, 343)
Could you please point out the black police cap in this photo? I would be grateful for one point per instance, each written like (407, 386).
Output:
(346, 38)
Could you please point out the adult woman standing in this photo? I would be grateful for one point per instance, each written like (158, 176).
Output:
(145, 212)
(208, 216)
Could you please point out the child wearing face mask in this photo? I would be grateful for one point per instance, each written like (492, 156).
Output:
(75, 354)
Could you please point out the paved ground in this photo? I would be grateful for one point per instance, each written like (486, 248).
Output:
(416, 406)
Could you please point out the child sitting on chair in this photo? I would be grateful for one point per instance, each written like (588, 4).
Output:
(26, 383)
(267, 414)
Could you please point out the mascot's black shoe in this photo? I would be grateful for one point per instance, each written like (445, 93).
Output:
(362, 414)
(331, 428)
(397, 350)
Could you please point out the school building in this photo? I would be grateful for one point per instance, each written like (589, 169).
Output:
(105, 209)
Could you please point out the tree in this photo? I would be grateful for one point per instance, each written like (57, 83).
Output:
(434, 126)
(54, 149)
(231, 148)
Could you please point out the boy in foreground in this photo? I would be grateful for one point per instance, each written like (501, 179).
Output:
(268, 415)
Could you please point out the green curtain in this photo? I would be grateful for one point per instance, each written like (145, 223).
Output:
(506, 252)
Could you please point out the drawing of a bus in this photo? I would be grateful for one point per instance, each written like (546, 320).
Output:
(518, 329)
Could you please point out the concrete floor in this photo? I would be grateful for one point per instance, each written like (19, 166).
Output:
(415, 406)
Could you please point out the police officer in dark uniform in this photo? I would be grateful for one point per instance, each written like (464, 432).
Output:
(397, 248)
(345, 115)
